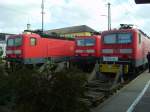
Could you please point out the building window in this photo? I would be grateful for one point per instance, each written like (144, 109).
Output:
(32, 41)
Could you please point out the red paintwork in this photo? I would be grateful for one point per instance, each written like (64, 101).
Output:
(45, 47)
(139, 52)
(96, 47)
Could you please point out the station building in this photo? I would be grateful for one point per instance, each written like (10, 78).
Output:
(71, 32)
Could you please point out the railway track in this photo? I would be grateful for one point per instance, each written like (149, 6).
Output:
(100, 89)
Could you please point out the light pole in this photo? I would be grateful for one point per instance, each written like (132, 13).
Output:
(42, 7)
(109, 17)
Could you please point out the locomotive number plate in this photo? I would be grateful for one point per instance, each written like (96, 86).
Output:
(108, 58)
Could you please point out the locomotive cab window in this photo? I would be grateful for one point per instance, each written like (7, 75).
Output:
(86, 42)
(10, 42)
(110, 39)
(33, 41)
(80, 42)
(18, 41)
(124, 38)
(89, 42)
(117, 38)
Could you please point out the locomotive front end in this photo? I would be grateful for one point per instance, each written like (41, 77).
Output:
(14, 49)
(117, 50)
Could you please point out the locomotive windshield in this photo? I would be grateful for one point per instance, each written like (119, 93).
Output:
(86, 42)
(18, 41)
(14, 41)
(10, 42)
(118, 38)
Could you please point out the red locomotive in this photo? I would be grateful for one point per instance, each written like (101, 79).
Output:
(87, 50)
(88, 46)
(127, 46)
(34, 49)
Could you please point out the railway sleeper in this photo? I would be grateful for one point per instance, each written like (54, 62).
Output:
(95, 97)
(101, 87)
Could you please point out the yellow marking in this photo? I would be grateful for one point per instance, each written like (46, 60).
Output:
(112, 68)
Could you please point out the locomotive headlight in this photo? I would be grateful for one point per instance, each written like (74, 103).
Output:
(9, 51)
(79, 51)
(17, 51)
(125, 51)
(107, 50)
(90, 51)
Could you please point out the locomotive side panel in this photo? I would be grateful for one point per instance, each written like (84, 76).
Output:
(35, 49)
(142, 48)
(57, 48)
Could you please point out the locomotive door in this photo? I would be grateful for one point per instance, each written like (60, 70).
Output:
(141, 47)
(143, 51)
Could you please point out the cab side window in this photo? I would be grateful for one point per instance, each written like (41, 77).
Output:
(140, 39)
(33, 41)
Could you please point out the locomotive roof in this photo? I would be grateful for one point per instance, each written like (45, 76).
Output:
(44, 35)
(144, 33)
(125, 30)
(116, 30)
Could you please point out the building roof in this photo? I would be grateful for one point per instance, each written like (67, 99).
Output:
(3, 36)
(72, 29)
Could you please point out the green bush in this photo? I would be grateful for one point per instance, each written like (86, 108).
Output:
(5, 92)
(67, 90)
(31, 90)
(48, 92)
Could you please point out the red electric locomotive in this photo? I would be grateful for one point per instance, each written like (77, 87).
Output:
(35, 49)
(87, 50)
(126, 46)
(88, 46)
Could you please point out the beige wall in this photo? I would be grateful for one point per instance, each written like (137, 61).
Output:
(72, 35)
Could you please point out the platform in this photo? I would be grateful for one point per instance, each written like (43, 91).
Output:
(134, 97)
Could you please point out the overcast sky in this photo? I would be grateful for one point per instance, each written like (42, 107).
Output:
(15, 14)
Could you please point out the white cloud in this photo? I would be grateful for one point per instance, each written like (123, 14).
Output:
(19, 2)
(80, 12)
(15, 14)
